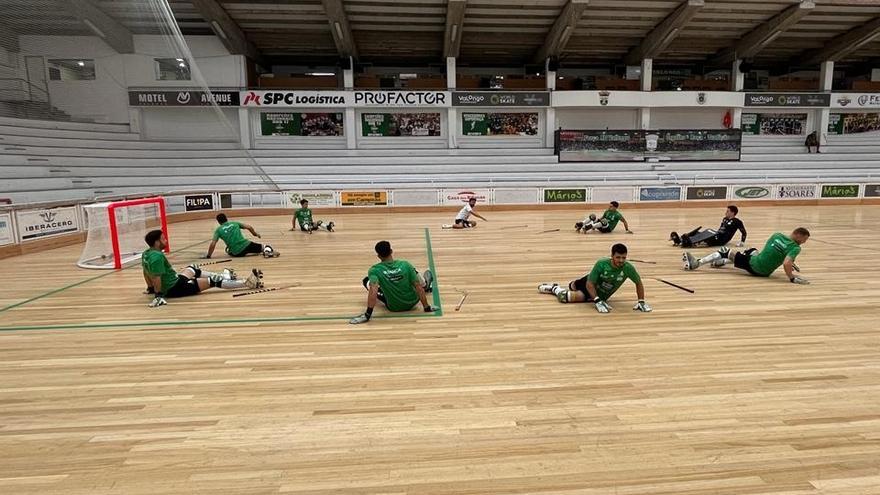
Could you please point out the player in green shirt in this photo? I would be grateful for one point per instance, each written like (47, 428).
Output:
(236, 244)
(780, 250)
(163, 282)
(396, 283)
(607, 275)
(606, 223)
(303, 217)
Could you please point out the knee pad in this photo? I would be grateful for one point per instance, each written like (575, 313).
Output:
(195, 268)
(593, 217)
(215, 280)
(604, 222)
(564, 296)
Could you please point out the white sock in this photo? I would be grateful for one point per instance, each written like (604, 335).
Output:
(558, 289)
(710, 258)
(233, 284)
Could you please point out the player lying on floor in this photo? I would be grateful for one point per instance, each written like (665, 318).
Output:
(607, 275)
(780, 250)
(395, 283)
(164, 283)
(606, 223)
(730, 225)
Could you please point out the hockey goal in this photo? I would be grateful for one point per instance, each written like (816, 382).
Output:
(115, 231)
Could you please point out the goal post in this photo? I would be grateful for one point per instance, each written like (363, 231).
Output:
(115, 231)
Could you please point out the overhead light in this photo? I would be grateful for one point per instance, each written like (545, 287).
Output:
(338, 28)
(218, 30)
(320, 73)
(179, 59)
(452, 36)
(678, 88)
(561, 77)
(183, 65)
(499, 77)
(408, 76)
(94, 28)
(81, 63)
(537, 73)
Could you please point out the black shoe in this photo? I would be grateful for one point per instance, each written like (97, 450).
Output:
(676, 240)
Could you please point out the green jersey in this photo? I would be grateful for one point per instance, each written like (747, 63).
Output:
(303, 216)
(778, 247)
(396, 279)
(613, 217)
(231, 234)
(155, 264)
(607, 279)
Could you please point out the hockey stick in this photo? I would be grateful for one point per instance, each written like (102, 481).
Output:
(546, 231)
(212, 262)
(267, 289)
(674, 285)
(643, 261)
(463, 297)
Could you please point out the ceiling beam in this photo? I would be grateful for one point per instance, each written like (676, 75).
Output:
(340, 28)
(454, 26)
(562, 30)
(757, 39)
(229, 32)
(845, 44)
(105, 27)
(664, 33)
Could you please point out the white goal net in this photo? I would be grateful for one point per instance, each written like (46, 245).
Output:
(115, 231)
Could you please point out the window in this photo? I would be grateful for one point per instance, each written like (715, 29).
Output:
(61, 69)
(172, 69)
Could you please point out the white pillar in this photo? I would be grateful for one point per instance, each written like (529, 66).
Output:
(351, 129)
(451, 75)
(348, 75)
(134, 120)
(550, 112)
(826, 80)
(452, 127)
(736, 118)
(244, 128)
(737, 78)
(647, 73)
(644, 118)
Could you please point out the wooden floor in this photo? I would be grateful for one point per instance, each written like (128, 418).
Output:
(747, 386)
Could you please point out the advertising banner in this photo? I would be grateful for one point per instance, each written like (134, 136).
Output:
(182, 98)
(638, 145)
(855, 100)
(37, 224)
(315, 198)
(499, 124)
(402, 98)
(835, 123)
(752, 192)
(295, 98)
(796, 191)
(500, 99)
(775, 124)
(461, 196)
(840, 191)
(565, 195)
(400, 124)
(660, 194)
(198, 202)
(857, 123)
(6, 236)
(788, 99)
(363, 198)
(301, 124)
(872, 190)
(699, 193)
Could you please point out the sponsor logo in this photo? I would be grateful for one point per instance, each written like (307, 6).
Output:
(364, 198)
(603, 97)
(503, 99)
(409, 98)
(251, 98)
(872, 190)
(796, 192)
(199, 202)
(47, 216)
(183, 97)
(706, 193)
(660, 194)
(465, 196)
(471, 99)
(701, 98)
(533, 99)
(565, 195)
(869, 100)
(844, 101)
(754, 192)
(840, 191)
(43, 223)
(291, 99)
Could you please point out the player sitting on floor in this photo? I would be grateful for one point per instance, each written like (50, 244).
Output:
(236, 244)
(607, 275)
(780, 250)
(396, 283)
(730, 225)
(303, 216)
(163, 282)
(461, 219)
(606, 223)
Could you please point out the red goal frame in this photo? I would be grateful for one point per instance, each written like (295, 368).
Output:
(114, 233)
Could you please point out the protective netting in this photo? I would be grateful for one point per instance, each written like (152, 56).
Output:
(72, 60)
(132, 222)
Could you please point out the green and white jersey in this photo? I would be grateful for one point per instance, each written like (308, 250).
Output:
(231, 234)
(303, 216)
(778, 247)
(155, 264)
(607, 279)
(613, 217)
(396, 279)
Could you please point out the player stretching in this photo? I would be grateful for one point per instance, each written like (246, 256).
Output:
(461, 219)
(730, 225)
(164, 282)
(606, 223)
(303, 216)
(607, 275)
(396, 283)
(780, 250)
(236, 244)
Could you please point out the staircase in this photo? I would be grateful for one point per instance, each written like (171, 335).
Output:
(35, 110)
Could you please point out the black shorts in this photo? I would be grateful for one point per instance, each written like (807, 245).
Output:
(741, 261)
(252, 248)
(466, 223)
(581, 285)
(184, 287)
(604, 230)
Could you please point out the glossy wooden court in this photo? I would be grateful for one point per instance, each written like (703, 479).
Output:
(747, 386)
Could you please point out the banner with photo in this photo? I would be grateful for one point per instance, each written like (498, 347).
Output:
(857, 123)
(301, 124)
(774, 124)
(499, 124)
(400, 124)
(638, 145)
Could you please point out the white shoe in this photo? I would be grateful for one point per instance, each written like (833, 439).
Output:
(547, 288)
(447, 225)
(689, 262)
(255, 280)
(429, 281)
(228, 274)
